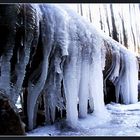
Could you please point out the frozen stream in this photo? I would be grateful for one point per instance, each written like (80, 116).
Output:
(124, 120)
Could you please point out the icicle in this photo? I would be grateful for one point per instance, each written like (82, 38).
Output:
(84, 83)
(72, 68)
(71, 91)
(29, 23)
(81, 36)
(133, 78)
(35, 89)
(116, 65)
(52, 88)
(96, 79)
(103, 56)
(128, 81)
(125, 80)
(49, 34)
(71, 78)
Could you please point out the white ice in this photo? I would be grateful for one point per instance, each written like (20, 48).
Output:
(71, 33)
(124, 121)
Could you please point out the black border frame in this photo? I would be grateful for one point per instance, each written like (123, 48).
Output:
(8, 137)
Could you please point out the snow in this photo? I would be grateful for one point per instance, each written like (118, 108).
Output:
(124, 121)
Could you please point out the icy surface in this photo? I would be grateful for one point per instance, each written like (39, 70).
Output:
(124, 121)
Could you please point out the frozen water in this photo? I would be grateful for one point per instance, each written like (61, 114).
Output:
(124, 72)
(73, 58)
(124, 121)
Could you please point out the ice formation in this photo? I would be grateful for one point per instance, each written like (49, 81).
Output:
(124, 65)
(69, 70)
(119, 23)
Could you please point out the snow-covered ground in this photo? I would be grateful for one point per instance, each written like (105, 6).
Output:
(124, 120)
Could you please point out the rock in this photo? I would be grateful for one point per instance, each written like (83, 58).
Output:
(10, 121)
(110, 89)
